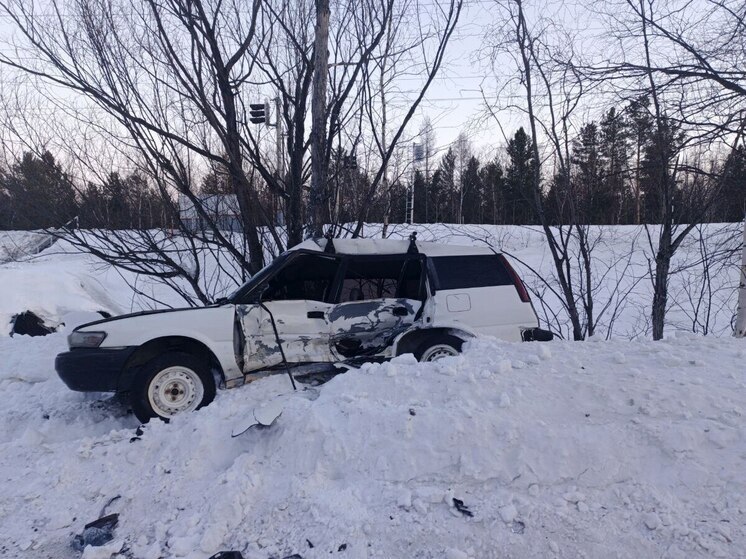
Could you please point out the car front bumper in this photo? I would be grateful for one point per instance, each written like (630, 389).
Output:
(536, 335)
(92, 369)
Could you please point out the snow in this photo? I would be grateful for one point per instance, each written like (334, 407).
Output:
(61, 283)
(591, 457)
(607, 448)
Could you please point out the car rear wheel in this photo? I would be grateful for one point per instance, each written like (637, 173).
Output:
(171, 384)
(438, 347)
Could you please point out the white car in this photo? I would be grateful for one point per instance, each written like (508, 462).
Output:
(332, 302)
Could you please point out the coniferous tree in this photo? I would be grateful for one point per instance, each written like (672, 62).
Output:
(518, 199)
(472, 192)
(731, 205)
(614, 150)
(640, 127)
(493, 190)
(5, 202)
(216, 182)
(444, 187)
(656, 167)
(40, 194)
(420, 197)
(590, 198)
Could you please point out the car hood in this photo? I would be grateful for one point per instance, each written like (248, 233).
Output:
(140, 313)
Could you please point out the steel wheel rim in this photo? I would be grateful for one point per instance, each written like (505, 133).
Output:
(175, 390)
(439, 351)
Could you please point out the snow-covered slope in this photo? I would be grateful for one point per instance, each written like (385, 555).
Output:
(606, 449)
(61, 280)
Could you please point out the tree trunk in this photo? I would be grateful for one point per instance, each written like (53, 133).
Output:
(660, 283)
(740, 331)
(318, 118)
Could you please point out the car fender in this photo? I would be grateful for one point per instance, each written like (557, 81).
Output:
(211, 326)
(399, 345)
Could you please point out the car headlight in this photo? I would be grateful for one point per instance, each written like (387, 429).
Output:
(85, 339)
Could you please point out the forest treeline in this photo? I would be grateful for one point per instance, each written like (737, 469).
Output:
(615, 170)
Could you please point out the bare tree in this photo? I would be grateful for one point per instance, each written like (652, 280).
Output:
(694, 86)
(165, 88)
(547, 80)
(429, 34)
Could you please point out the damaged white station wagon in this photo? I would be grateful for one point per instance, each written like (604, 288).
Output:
(332, 302)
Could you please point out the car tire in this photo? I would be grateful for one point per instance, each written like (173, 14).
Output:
(437, 347)
(170, 384)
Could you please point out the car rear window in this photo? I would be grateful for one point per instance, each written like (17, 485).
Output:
(463, 272)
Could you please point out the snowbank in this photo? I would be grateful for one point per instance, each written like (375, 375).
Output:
(61, 282)
(608, 449)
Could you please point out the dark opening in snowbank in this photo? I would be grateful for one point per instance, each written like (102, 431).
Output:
(29, 324)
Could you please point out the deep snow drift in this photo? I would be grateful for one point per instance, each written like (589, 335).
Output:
(607, 449)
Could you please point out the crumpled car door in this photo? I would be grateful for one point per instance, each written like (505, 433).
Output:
(366, 328)
(302, 329)
(379, 297)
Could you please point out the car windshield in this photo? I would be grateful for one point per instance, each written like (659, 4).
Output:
(240, 294)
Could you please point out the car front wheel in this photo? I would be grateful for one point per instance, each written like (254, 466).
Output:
(171, 384)
(438, 347)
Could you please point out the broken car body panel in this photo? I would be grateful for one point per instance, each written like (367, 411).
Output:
(367, 328)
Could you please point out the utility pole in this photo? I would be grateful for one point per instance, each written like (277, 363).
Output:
(259, 114)
(740, 331)
(280, 163)
(318, 118)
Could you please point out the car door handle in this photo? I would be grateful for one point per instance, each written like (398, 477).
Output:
(315, 314)
(399, 311)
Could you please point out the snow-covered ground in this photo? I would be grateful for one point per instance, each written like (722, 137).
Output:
(597, 449)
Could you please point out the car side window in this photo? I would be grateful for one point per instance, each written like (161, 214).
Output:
(305, 277)
(380, 278)
(410, 281)
(464, 272)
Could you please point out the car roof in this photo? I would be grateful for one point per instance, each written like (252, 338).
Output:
(390, 246)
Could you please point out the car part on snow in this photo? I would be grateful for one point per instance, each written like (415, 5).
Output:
(264, 415)
(227, 555)
(172, 383)
(138, 434)
(461, 507)
(517, 527)
(437, 347)
(96, 533)
(536, 335)
(29, 324)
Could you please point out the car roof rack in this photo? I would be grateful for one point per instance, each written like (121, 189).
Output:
(413, 243)
(329, 248)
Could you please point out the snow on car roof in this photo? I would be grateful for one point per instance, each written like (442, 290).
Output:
(390, 246)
